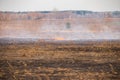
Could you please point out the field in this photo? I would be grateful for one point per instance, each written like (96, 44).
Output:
(74, 60)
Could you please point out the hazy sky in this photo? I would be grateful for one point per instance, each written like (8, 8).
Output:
(42, 5)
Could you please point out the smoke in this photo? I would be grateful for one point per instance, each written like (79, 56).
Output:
(61, 31)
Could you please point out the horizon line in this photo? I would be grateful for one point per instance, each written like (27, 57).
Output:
(59, 10)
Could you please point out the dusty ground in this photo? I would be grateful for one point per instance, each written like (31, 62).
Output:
(53, 61)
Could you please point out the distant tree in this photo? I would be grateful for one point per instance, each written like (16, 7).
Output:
(37, 18)
(68, 25)
(83, 12)
(28, 18)
(45, 12)
(116, 13)
(55, 10)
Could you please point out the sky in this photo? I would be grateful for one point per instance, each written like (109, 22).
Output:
(48, 5)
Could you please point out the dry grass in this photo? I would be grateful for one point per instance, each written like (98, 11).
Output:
(38, 61)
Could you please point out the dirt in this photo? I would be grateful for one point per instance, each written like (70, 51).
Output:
(60, 62)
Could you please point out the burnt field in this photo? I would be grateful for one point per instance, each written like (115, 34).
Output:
(62, 60)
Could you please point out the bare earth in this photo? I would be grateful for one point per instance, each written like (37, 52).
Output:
(60, 61)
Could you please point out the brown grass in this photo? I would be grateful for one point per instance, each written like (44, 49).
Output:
(36, 61)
